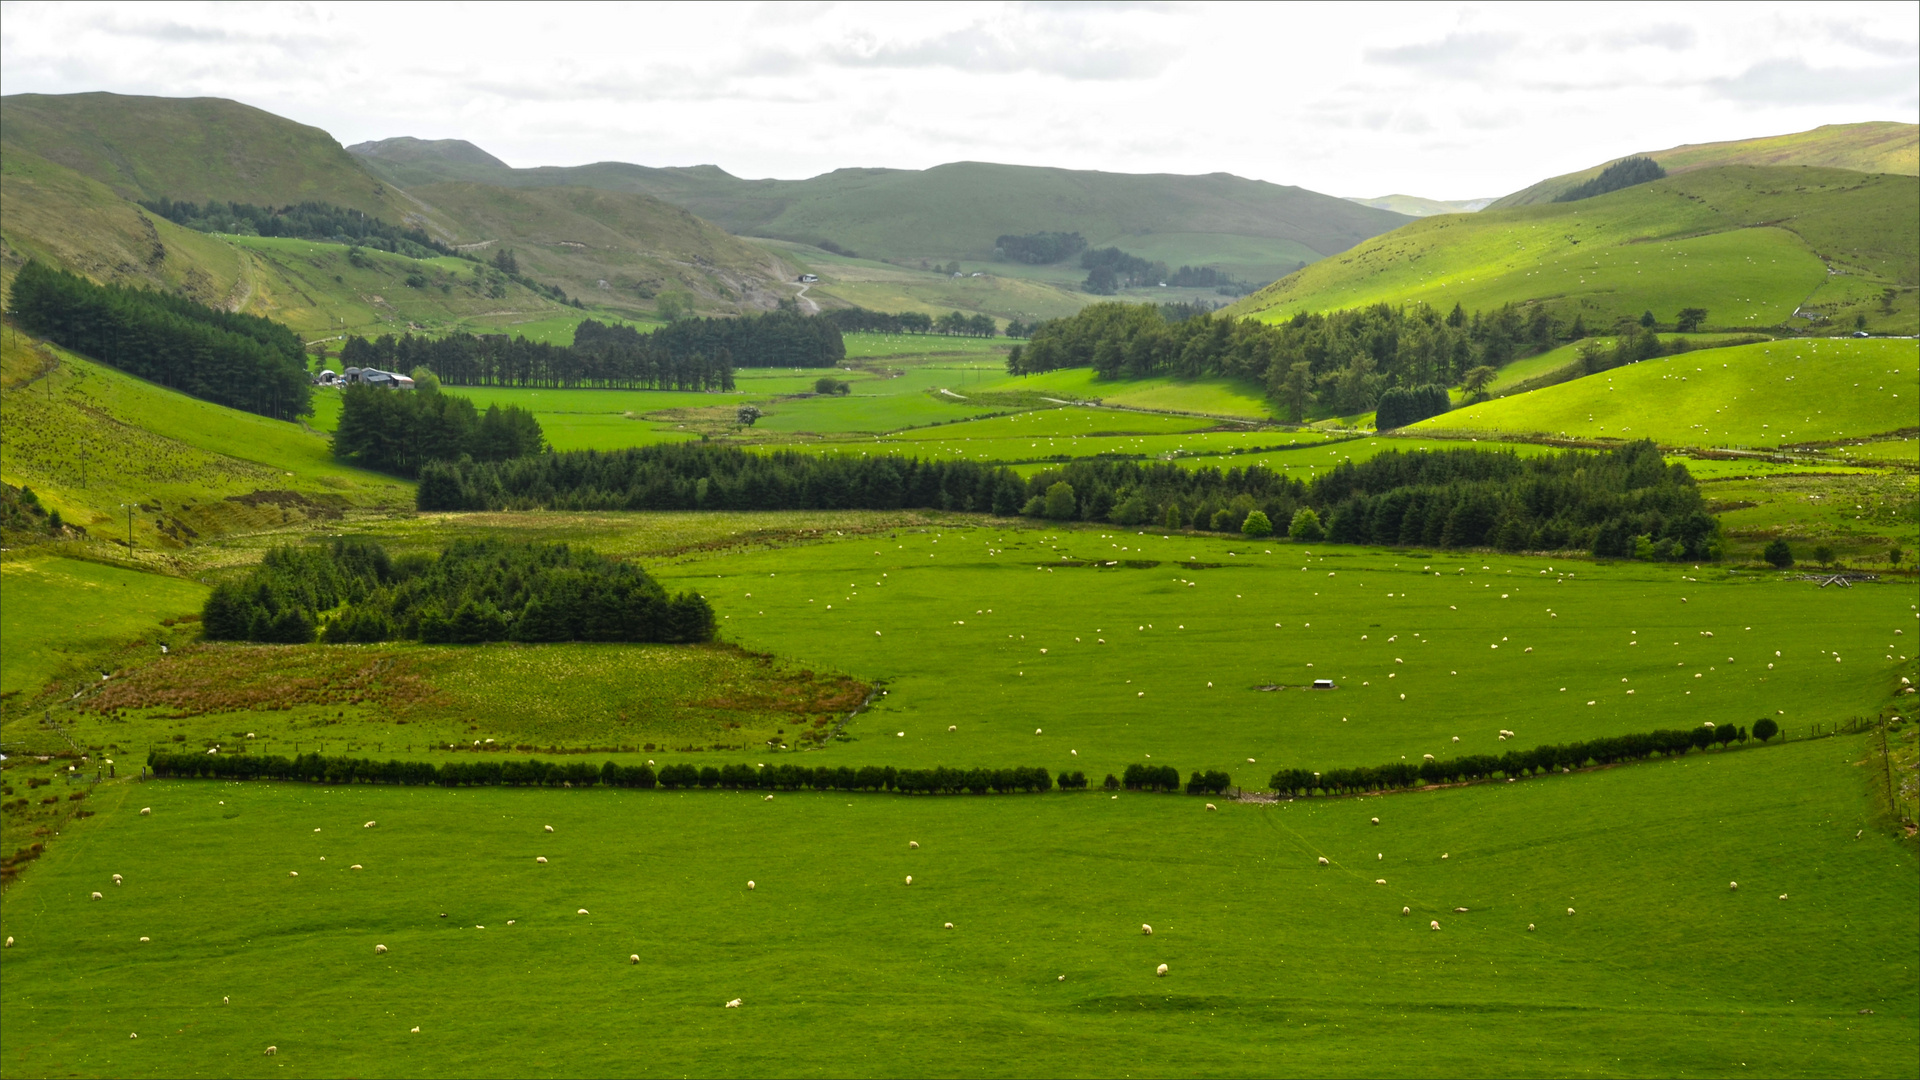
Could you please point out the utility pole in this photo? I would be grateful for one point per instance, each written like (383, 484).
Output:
(128, 507)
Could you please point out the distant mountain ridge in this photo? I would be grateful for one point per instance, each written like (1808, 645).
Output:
(1873, 147)
(1417, 206)
(407, 148)
(957, 210)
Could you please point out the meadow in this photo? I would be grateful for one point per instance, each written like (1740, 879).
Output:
(99, 609)
(1586, 926)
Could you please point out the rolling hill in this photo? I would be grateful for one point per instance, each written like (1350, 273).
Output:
(75, 165)
(1418, 206)
(1881, 147)
(1250, 228)
(1753, 245)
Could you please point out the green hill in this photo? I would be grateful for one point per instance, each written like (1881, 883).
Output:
(1251, 228)
(1417, 206)
(73, 166)
(1752, 245)
(1882, 147)
(1791, 392)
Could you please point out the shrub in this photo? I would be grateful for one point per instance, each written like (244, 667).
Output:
(1764, 728)
(1256, 525)
(1306, 526)
(1778, 553)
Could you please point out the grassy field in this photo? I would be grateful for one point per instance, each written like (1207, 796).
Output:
(1586, 927)
(1782, 393)
(1211, 396)
(99, 609)
(1745, 243)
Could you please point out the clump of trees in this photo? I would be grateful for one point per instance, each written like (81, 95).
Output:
(1039, 249)
(1624, 173)
(20, 511)
(305, 221)
(1402, 405)
(1110, 269)
(475, 590)
(241, 361)
(955, 323)
(398, 432)
(827, 384)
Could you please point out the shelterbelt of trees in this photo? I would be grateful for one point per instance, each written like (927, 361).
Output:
(475, 590)
(240, 361)
(851, 320)
(1618, 503)
(306, 221)
(690, 354)
(1346, 360)
(398, 433)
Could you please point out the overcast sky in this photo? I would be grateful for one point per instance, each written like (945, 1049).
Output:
(1442, 100)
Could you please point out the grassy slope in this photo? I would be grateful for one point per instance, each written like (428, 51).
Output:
(1781, 393)
(90, 439)
(1276, 964)
(1879, 147)
(884, 286)
(956, 210)
(99, 609)
(1746, 243)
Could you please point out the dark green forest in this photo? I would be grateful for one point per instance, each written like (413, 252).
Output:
(306, 221)
(1624, 173)
(476, 590)
(398, 432)
(241, 361)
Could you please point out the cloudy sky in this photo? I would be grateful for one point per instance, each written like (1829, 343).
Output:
(1443, 100)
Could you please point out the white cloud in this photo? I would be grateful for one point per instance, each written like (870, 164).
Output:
(1449, 101)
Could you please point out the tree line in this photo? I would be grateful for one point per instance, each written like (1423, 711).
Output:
(1516, 764)
(1624, 173)
(957, 324)
(305, 221)
(1039, 249)
(601, 357)
(473, 591)
(241, 361)
(397, 432)
(1110, 268)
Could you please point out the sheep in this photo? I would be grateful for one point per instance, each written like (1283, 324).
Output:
(1036, 731)
(145, 811)
(116, 879)
(583, 911)
(913, 845)
(1406, 911)
(953, 727)
(378, 949)
(272, 1050)
(540, 859)
(1460, 909)
(1529, 927)
(734, 1004)
(751, 886)
(1380, 857)
(147, 939)
(549, 828)
(1146, 930)
(355, 866)
(369, 824)
(9, 941)
(1434, 924)
(226, 1001)
(766, 798)
(1210, 806)
(1783, 896)
(1379, 881)
(1733, 886)
(1376, 821)
(134, 1035)
(1569, 911)
(909, 879)
(416, 1029)
(1161, 971)
(633, 958)
(97, 896)
(1444, 855)
(949, 926)
(293, 873)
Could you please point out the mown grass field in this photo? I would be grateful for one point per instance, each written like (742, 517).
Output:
(498, 965)
(1781, 393)
(1739, 241)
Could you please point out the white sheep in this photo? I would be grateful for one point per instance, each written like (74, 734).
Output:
(909, 879)
(1210, 806)
(1324, 862)
(1376, 821)
(1406, 911)
(272, 1050)
(1733, 886)
(1460, 909)
(953, 727)
(134, 1035)
(97, 896)
(1783, 896)
(9, 941)
(1434, 925)
(540, 858)
(734, 1004)
(549, 828)
(116, 879)
(369, 824)
(766, 798)
(378, 949)
(913, 845)
(949, 926)
(416, 1029)
(1146, 929)
(1529, 927)
(1569, 911)
(1036, 731)
(355, 866)
(146, 939)
(1161, 971)
(633, 958)
(293, 873)
(1379, 881)
(1380, 857)
(751, 886)
(144, 811)
(583, 911)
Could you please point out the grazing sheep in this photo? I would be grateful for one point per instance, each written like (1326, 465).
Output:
(1036, 731)
(1379, 881)
(272, 1050)
(549, 828)
(949, 926)
(144, 939)
(909, 879)
(1434, 925)
(1733, 886)
(293, 873)
(583, 911)
(369, 824)
(226, 1001)
(416, 1029)
(97, 896)
(1406, 911)
(913, 845)
(1376, 821)
(540, 858)
(634, 958)
(378, 949)
(751, 886)
(1210, 806)
(1161, 971)
(355, 866)
(9, 941)
(1443, 854)
(144, 811)
(1460, 909)
(134, 1035)
(1380, 857)
(734, 1004)
(1146, 929)
(1569, 911)
(1529, 926)
(116, 879)
(766, 798)
(953, 727)
(1324, 862)
(1783, 896)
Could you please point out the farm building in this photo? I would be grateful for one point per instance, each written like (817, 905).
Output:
(375, 377)
(1323, 684)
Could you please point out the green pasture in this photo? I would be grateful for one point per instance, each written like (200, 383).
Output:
(57, 614)
(1780, 393)
(1209, 396)
(1586, 926)
(1566, 358)
(1860, 514)
(871, 346)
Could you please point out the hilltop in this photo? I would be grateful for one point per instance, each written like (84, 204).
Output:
(1418, 206)
(1880, 147)
(76, 166)
(1252, 228)
(1755, 246)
